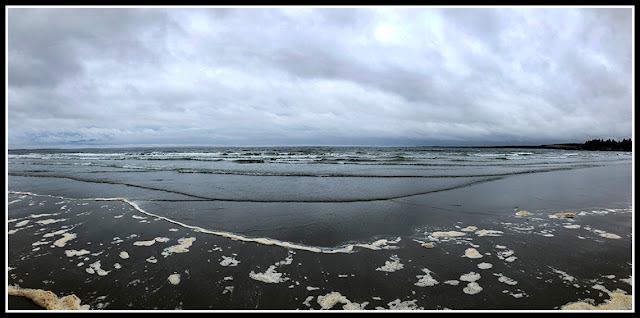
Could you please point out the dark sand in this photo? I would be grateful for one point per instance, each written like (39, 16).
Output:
(538, 262)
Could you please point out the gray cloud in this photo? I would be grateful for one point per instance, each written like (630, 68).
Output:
(115, 76)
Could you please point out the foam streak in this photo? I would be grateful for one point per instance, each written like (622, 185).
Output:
(377, 245)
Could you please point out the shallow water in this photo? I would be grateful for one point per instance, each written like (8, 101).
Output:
(270, 227)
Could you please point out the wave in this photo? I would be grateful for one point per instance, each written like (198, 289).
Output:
(380, 244)
(305, 155)
(293, 199)
(417, 170)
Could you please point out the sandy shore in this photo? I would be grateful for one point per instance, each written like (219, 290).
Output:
(492, 256)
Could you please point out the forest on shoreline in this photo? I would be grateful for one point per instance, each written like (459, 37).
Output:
(609, 144)
(593, 145)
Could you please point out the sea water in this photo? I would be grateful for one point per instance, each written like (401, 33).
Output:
(325, 201)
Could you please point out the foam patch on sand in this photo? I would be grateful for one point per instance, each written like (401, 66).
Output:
(380, 244)
(470, 277)
(183, 247)
(95, 268)
(72, 253)
(151, 259)
(50, 221)
(151, 242)
(402, 305)
(331, 299)
(174, 279)
(22, 223)
(506, 255)
(606, 235)
(572, 217)
(489, 233)
(485, 266)
(66, 237)
(472, 288)
(523, 213)
(426, 280)
(229, 261)
(472, 253)
(459, 235)
(505, 279)
(391, 265)
(447, 234)
(563, 275)
(35, 216)
(47, 299)
(619, 300)
(270, 276)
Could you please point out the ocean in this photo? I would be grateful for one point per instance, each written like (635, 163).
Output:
(309, 228)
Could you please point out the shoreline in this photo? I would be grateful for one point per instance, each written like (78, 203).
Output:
(249, 275)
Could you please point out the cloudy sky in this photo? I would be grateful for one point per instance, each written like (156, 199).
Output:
(317, 76)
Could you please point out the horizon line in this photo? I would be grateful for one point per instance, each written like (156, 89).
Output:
(70, 147)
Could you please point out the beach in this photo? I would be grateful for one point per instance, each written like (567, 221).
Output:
(536, 240)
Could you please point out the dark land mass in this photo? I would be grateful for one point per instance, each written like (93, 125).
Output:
(594, 145)
(571, 146)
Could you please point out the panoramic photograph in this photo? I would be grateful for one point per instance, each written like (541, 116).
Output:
(319, 158)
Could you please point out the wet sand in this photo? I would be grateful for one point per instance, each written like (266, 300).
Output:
(471, 250)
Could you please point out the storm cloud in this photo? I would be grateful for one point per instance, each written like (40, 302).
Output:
(318, 76)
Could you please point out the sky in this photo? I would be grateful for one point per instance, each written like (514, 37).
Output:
(300, 75)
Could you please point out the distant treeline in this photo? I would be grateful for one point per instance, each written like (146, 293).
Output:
(609, 144)
(594, 144)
